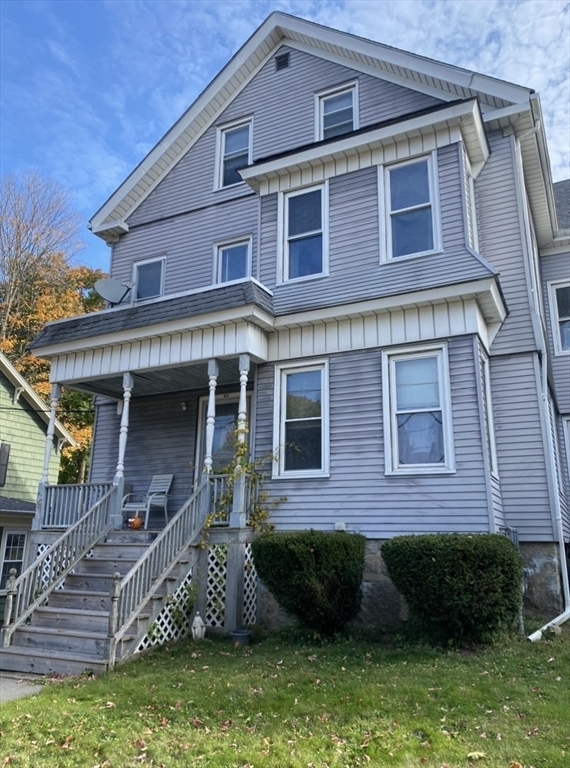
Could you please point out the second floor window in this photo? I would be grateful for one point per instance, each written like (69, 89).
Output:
(410, 208)
(304, 233)
(149, 279)
(337, 112)
(234, 149)
(560, 299)
(233, 260)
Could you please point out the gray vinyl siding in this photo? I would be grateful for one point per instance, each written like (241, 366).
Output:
(105, 445)
(499, 228)
(358, 492)
(283, 106)
(553, 268)
(188, 243)
(520, 447)
(355, 270)
(564, 478)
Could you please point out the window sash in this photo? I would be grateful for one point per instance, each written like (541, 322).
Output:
(13, 553)
(301, 438)
(237, 157)
(304, 248)
(559, 299)
(149, 286)
(337, 112)
(233, 261)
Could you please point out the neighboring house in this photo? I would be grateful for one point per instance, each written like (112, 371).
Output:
(366, 242)
(24, 419)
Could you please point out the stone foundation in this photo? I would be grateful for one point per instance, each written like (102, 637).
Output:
(543, 582)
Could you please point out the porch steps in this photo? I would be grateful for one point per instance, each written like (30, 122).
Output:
(70, 634)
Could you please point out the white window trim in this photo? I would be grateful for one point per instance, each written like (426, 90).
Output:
(490, 418)
(322, 96)
(281, 371)
(282, 239)
(389, 412)
(136, 266)
(219, 158)
(4, 540)
(386, 212)
(554, 319)
(233, 243)
(566, 432)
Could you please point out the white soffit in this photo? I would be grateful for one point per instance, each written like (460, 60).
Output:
(416, 72)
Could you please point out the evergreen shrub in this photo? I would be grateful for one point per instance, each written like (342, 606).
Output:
(460, 588)
(315, 576)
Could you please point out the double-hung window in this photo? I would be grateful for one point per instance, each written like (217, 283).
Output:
(417, 411)
(149, 279)
(233, 261)
(234, 152)
(412, 226)
(305, 235)
(560, 314)
(301, 420)
(337, 112)
(12, 549)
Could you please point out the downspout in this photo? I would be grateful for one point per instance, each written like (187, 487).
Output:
(565, 615)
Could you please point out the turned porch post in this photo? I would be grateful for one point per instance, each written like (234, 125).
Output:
(213, 373)
(44, 481)
(119, 479)
(238, 514)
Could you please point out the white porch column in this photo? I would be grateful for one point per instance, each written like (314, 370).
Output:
(119, 479)
(213, 373)
(38, 520)
(238, 513)
(55, 395)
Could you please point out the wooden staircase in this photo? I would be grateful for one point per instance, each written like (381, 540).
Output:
(69, 635)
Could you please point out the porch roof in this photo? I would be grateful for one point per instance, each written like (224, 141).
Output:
(131, 316)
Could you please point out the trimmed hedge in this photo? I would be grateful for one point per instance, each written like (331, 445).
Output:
(314, 575)
(459, 588)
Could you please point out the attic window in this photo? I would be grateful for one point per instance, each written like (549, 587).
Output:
(281, 61)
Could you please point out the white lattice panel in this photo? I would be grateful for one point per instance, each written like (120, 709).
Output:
(249, 589)
(173, 622)
(46, 567)
(216, 585)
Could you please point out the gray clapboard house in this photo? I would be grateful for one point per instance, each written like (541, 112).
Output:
(349, 256)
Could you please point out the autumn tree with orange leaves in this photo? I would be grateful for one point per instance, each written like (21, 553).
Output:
(39, 238)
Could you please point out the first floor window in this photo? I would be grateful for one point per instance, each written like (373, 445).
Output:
(304, 234)
(410, 207)
(417, 411)
(149, 277)
(302, 420)
(233, 261)
(560, 298)
(13, 546)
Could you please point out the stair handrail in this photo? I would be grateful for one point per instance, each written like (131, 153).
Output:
(130, 596)
(34, 585)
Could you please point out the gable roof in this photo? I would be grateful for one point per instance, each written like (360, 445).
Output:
(444, 81)
(38, 405)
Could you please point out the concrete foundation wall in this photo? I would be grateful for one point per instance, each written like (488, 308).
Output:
(543, 582)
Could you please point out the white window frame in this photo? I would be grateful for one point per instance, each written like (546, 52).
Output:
(224, 245)
(141, 263)
(281, 372)
(221, 132)
(385, 214)
(554, 318)
(3, 542)
(566, 432)
(337, 90)
(389, 358)
(488, 394)
(283, 239)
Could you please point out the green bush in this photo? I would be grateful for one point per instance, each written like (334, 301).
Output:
(459, 588)
(313, 575)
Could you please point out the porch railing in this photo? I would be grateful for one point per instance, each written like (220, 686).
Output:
(35, 584)
(63, 505)
(222, 495)
(131, 594)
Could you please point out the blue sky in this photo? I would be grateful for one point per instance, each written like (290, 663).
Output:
(89, 86)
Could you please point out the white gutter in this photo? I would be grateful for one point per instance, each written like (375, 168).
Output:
(565, 615)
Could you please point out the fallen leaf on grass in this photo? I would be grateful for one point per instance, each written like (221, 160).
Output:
(476, 756)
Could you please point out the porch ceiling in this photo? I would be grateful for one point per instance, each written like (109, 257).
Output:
(161, 381)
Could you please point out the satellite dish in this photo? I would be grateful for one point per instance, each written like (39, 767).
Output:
(112, 290)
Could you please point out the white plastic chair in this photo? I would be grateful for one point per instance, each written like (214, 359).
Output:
(156, 496)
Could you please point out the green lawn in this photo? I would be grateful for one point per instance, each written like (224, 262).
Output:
(286, 705)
